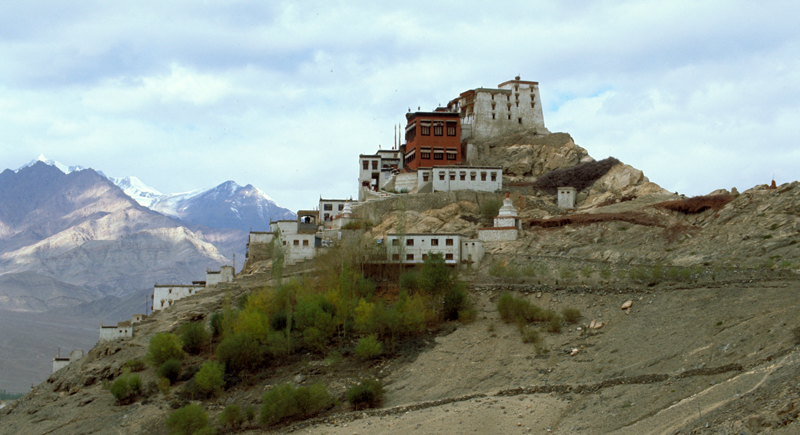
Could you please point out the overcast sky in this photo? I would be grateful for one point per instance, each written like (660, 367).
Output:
(699, 95)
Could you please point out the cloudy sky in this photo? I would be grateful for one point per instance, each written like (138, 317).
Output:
(700, 95)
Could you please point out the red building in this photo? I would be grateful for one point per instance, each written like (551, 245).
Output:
(432, 138)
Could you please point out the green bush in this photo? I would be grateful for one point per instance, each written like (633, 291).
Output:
(189, 420)
(605, 274)
(288, 402)
(366, 394)
(194, 337)
(126, 388)
(490, 208)
(210, 379)
(368, 347)
(571, 315)
(216, 324)
(240, 352)
(232, 416)
(554, 325)
(409, 281)
(531, 335)
(135, 365)
(164, 346)
(436, 277)
(249, 413)
(171, 370)
(456, 300)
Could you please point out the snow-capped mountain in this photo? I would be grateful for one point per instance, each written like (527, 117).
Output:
(64, 168)
(228, 205)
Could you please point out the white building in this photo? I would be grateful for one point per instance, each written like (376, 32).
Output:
(480, 178)
(566, 197)
(375, 170)
(329, 209)
(122, 330)
(224, 274)
(298, 238)
(164, 295)
(489, 113)
(61, 362)
(415, 248)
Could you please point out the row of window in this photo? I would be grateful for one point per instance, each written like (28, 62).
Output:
(329, 207)
(410, 257)
(434, 242)
(425, 154)
(439, 129)
(296, 243)
(365, 165)
(463, 176)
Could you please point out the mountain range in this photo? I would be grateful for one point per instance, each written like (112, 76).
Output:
(75, 243)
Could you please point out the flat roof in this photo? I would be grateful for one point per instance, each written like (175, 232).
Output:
(176, 285)
(427, 234)
(414, 115)
(466, 167)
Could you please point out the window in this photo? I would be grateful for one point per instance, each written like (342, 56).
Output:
(411, 131)
(508, 97)
(463, 176)
(448, 242)
(395, 242)
(509, 117)
(494, 176)
(284, 243)
(438, 128)
(441, 176)
(494, 105)
(425, 153)
(471, 176)
(341, 207)
(451, 128)
(483, 176)
(409, 242)
(374, 164)
(448, 256)
(425, 128)
(493, 115)
(533, 104)
(452, 154)
(434, 242)
(366, 164)
(519, 120)
(305, 242)
(425, 177)
(410, 257)
(438, 154)
(508, 106)
(328, 207)
(424, 257)
(452, 174)
(517, 103)
(395, 257)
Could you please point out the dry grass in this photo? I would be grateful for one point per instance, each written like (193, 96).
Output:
(586, 219)
(698, 204)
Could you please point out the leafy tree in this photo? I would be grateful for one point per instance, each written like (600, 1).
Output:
(216, 324)
(287, 401)
(231, 416)
(164, 346)
(436, 278)
(368, 347)
(126, 388)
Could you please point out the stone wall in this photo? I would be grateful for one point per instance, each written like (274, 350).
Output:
(375, 210)
(498, 234)
(407, 181)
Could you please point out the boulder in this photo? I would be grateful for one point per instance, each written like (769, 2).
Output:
(627, 304)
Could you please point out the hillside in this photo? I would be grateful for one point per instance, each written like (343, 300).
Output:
(709, 341)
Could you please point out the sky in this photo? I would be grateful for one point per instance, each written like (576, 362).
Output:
(699, 95)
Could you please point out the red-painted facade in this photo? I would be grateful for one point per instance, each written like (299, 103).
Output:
(432, 139)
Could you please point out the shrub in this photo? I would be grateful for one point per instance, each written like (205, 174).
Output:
(171, 370)
(435, 277)
(366, 394)
(490, 208)
(249, 413)
(287, 401)
(571, 315)
(164, 346)
(531, 335)
(455, 300)
(605, 274)
(554, 325)
(163, 386)
(135, 365)
(126, 388)
(580, 176)
(368, 347)
(209, 380)
(194, 337)
(409, 281)
(189, 420)
(239, 352)
(587, 271)
(216, 324)
(566, 273)
(698, 204)
(231, 416)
